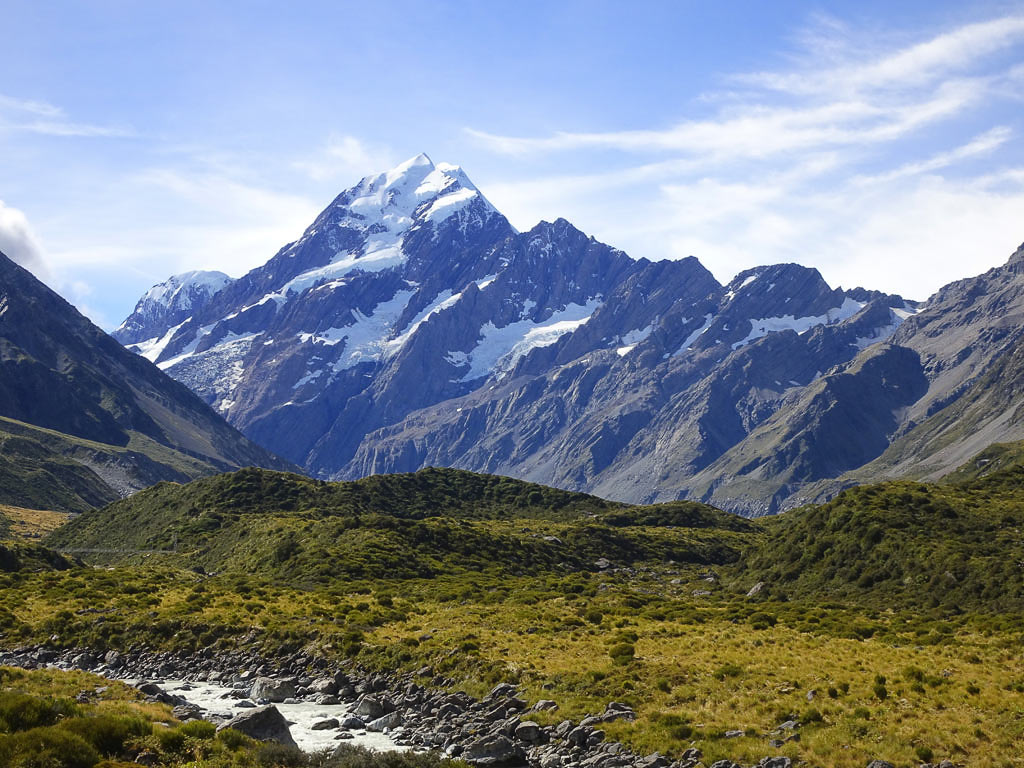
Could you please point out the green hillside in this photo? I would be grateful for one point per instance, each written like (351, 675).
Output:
(44, 469)
(901, 543)
(435, 521)
(18, 556)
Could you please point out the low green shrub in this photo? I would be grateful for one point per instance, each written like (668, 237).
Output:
(46, 747)
(108, 733)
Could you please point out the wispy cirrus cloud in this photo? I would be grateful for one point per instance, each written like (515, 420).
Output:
(835, 161)
(40, 117)
(835, 66)
(757, 130)
(981, 145)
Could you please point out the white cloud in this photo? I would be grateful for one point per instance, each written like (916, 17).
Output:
(981, 145)
(40, 117)
(345, 159)
(907, 236)
(755, 130)
(19, 242)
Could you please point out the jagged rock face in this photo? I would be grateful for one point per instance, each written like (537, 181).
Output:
(970, 344)
(167, 305)
(411, 325)
(637, 422)
(938, 393)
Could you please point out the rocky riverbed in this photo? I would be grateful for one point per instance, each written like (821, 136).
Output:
(308, 702)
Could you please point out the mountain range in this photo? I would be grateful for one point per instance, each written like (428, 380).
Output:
(411, 325)
(84, 422)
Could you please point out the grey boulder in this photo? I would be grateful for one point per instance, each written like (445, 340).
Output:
(269, 689)
(491, 750)
(263, 724)
(386, 722)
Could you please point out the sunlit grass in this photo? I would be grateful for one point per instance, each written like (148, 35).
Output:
(32, 523)
(699, 667)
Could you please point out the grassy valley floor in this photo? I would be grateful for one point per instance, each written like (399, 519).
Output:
(697, 669)
(885, 624)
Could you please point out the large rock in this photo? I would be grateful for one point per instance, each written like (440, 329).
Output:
(491, 750)
(369, 708)
(616, 710)
(263, 724)
(386, 722)
(269, 689)
(530, 732)
(325, 685)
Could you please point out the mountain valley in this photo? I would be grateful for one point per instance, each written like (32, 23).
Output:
(517, 540)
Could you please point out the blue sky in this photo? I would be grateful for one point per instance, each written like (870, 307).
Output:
(878, 142)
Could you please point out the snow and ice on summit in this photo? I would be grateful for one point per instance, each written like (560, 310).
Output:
(178, 291)
(380, 211)
(383, 210)
(167, 303)
(389, 205)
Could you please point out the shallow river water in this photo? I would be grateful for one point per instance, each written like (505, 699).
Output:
(212, 699)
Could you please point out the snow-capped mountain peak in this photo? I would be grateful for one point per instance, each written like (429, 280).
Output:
(178, 290)
(411, 324)
(169, 303)
(410, 194)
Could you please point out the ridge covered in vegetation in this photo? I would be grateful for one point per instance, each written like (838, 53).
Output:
(901, 543)
(435, 521)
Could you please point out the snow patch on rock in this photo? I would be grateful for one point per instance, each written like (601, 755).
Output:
(630, 339)
(499, 349)
(688, 342)
(760, 327)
